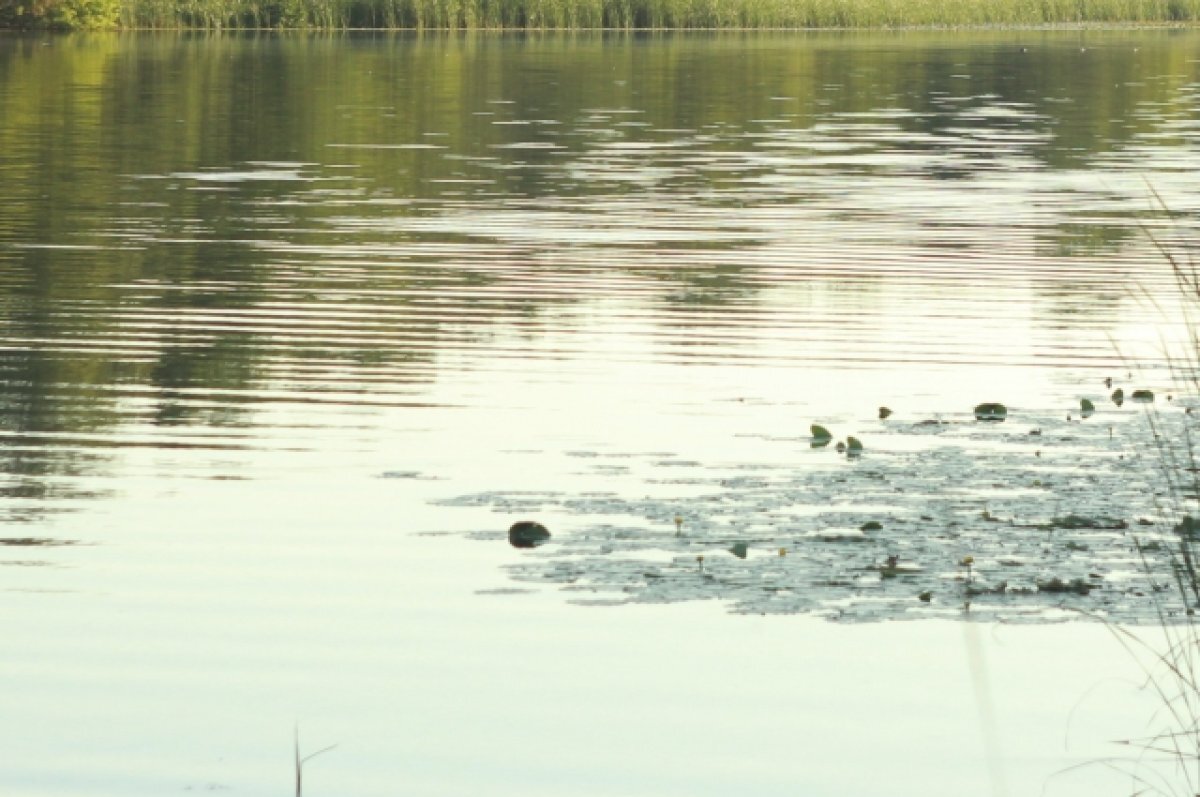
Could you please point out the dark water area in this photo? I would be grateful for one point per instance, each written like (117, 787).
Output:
(294, 327)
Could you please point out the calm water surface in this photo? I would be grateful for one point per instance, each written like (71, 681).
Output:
(270, 305)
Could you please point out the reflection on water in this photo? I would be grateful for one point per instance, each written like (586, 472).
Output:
(202, 227)
(198, 227)
(269, 304)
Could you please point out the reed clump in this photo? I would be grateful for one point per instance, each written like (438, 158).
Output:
(583, 14)
(1166, 760)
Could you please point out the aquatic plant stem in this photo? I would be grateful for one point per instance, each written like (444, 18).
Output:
(301, 761)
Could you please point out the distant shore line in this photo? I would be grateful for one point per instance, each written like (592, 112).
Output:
(567, 15)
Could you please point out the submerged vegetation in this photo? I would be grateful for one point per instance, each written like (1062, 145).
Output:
(954, 517)
(583, 14)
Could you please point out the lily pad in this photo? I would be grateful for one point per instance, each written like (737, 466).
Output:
(1083, 522)
(1144, 396)
(990, 411)
(820, 435)
(931, 489)
(1078, 586)
(1188, 528)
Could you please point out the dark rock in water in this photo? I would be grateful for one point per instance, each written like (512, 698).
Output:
(925, 596)
(884, 412)
(1118, 397)
(1086, 408)
(1143, 395)
(991, 411)
(527, 534)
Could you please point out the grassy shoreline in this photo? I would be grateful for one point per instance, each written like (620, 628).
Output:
(586, 14)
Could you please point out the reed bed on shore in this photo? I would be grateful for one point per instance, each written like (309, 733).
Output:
(587, 14)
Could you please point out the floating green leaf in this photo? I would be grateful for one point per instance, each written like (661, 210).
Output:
(1076, 585)
(991, 411)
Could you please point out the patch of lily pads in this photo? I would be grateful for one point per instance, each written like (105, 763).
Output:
(1001, 514)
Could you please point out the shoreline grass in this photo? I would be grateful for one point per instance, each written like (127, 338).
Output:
(526, 15)
(1165, 758)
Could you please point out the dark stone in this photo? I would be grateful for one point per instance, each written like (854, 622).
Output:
(527, 534)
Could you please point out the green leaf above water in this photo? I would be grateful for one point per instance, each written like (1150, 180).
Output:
(990, 411)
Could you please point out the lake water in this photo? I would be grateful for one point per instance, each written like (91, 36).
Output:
(292, 328)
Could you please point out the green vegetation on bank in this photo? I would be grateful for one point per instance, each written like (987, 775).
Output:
(580, 14)
(63, 14)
